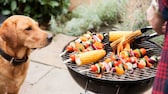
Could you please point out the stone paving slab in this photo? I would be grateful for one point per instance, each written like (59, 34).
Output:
(45, 79)
(26, 88)
(36, 72)
(57, 81)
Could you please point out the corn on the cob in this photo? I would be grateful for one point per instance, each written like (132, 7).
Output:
(114, 35)
(127, 39)
(89, 57)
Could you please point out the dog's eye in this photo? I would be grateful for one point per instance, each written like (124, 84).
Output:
(28, 28)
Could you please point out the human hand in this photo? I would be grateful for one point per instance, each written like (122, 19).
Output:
(155, 20)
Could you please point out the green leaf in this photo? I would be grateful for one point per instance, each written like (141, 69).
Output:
(6, 12)
(53, 4)
(13, 5)
(5, 2)
(27, 9)
(42, 2)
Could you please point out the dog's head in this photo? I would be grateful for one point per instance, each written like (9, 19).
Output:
(21, 30)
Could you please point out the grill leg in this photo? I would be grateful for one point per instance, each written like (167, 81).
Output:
(111, 90)
(118, 90)
(86, 86)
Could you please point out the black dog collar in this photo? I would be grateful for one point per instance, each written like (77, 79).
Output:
(13, 60)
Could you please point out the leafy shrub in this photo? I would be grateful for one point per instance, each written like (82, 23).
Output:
(87, 17)
(41, 10)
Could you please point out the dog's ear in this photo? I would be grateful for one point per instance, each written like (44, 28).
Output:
(8, 33)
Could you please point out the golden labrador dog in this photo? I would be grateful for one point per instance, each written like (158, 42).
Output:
(18, 36)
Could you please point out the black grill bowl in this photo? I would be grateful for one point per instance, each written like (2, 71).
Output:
(111, 87)
(136, 83)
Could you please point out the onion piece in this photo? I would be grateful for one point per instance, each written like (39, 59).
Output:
(96, 38)
(131, 71)
(107, 66)
(151, 61)
(112, 70)
(134, 65)
(132, 53)
(130, 65)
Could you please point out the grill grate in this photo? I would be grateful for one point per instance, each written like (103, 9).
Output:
(138, 74)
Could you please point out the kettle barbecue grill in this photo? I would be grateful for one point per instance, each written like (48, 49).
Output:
(129, 83)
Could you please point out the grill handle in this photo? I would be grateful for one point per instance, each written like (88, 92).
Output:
(146, 37)
(143, 30)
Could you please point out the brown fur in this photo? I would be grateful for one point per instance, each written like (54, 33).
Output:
(18, 35)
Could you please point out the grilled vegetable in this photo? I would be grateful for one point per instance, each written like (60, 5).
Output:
(119, 70)
(89, 57)
(101, 67)
(113, 56)
(124, 54)
(94, 68)
(83, 38)
(148, 64)
(117, 63)
(153, 59)
(100, 36)
(114, 35)
(107, 60)
(134, 59)
(69, 48)
(124, 40)
(84, 43)
(72, 57)
(128, 66)
(79, 47)
(98, 45)
(127, 59)
(120, 65)
(139, 52)
(96, 38)
(143, 51)
(142, 63)
(89, 49)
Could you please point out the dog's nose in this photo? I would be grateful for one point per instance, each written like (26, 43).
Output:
(50, 37)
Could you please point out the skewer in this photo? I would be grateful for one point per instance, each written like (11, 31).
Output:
(84, 70)
(63, 53)
(150, 49)
(66, 61)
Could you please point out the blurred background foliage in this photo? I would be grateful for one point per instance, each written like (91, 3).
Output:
(99, 16)
(41, 10)
(55, 15)
(89, 17)
(126, 15)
